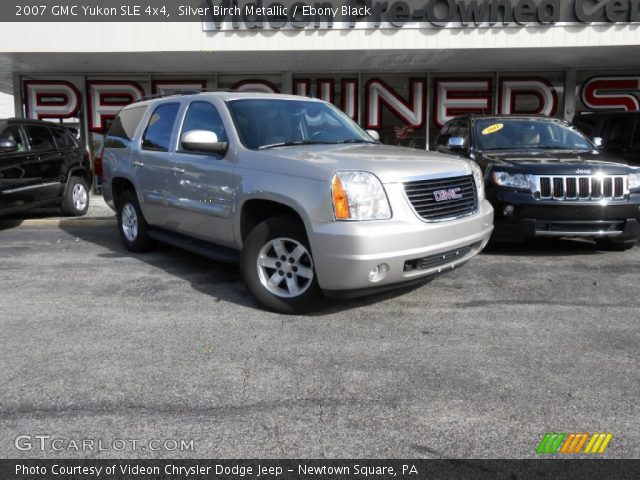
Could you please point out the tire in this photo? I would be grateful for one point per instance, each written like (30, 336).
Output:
(282, 286)
(615, 245)
(76, 197)
(133, 228)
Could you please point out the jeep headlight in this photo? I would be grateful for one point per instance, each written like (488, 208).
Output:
(634, 181)
(478, 177)
(359, 196)
(513, 180)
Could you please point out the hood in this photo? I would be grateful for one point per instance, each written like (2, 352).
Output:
(556, 161)
(389, 163)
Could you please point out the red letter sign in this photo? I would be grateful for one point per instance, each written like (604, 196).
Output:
(51, 99)
(606, 93)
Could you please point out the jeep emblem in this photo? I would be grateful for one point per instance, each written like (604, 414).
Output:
(449, 194)
(583, 171)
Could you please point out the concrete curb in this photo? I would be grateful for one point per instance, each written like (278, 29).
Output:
(59, 222)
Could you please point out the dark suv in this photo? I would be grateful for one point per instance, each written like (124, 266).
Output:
(42, 164)
(619, 132)
(544, 178)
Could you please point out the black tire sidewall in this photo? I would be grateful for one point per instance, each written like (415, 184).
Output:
(287, 227)
(614, 245)
(68, 207)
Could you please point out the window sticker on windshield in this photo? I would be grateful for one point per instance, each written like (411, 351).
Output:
(496, 127)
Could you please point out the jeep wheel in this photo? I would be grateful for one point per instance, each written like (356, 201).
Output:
(615, 245)
(277, 267)
(76, 198)
(132, 226)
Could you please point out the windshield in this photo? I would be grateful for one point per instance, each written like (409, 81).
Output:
(528, 134)
(269, 123)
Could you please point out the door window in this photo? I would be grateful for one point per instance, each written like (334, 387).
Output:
(453, 129)
(157, 135)
(40, 138)
(204, 116)
(12, 133)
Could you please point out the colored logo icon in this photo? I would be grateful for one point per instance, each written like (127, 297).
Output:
(574, 443)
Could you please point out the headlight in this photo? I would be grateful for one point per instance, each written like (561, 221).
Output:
(634, 181)
(359, 196)
(478, 177)
(513, 180)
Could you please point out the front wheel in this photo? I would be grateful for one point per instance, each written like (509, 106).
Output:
(76, 197)
(277, 267)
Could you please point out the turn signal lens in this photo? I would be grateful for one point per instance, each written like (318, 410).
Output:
(340, 200)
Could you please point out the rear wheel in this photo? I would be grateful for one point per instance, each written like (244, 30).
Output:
(277, 267)
(615, 245)
(133, 228)
(76, 197)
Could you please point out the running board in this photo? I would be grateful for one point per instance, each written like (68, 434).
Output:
(200, 247)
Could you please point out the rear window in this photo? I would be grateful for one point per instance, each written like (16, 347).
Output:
(63, 138)
(157, 136)
(124, 126)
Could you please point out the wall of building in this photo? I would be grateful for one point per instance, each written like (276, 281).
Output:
(406, 108)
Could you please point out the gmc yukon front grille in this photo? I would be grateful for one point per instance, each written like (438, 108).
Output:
(609, 187)
(443, 198)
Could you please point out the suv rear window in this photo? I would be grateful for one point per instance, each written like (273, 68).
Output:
(63, 138)
(157, 135)
(124, 126)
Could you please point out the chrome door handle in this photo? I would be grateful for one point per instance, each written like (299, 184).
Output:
(137, 163)
(176, 170)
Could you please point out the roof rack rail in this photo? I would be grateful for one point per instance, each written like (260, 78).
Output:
(177, 92)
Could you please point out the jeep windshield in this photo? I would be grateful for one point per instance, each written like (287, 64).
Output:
(528, 134)
(270, 123)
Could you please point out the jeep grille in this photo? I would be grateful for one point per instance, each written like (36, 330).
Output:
(609, 187)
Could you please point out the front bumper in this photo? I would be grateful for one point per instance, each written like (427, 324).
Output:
(345, 253)
(533, 218)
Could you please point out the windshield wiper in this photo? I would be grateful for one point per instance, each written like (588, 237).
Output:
(356, 140)
(294, 143)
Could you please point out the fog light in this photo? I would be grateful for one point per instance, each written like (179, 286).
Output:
(508, 210)
(378, 273)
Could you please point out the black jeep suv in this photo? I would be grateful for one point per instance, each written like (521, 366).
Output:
(545, 178)
(42, 164)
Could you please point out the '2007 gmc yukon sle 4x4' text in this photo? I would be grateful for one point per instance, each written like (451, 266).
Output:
(310, 204)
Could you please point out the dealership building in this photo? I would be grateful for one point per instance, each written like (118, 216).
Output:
(400, 67)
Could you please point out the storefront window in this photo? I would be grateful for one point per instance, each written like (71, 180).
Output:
(395, 106)
(268, 83)
(599, 91)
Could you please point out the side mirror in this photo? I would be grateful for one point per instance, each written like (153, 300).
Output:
(457, 144)
(374, 134)
(598, 141)
(8, 146)
(202, 141)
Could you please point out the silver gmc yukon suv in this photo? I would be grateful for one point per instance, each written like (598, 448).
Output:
(311, 205)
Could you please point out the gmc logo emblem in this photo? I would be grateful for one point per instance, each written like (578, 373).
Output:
(449, 194)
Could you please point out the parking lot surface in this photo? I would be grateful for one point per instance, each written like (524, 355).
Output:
(97, 343)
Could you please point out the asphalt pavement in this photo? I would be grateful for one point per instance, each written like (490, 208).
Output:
(102, 345)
